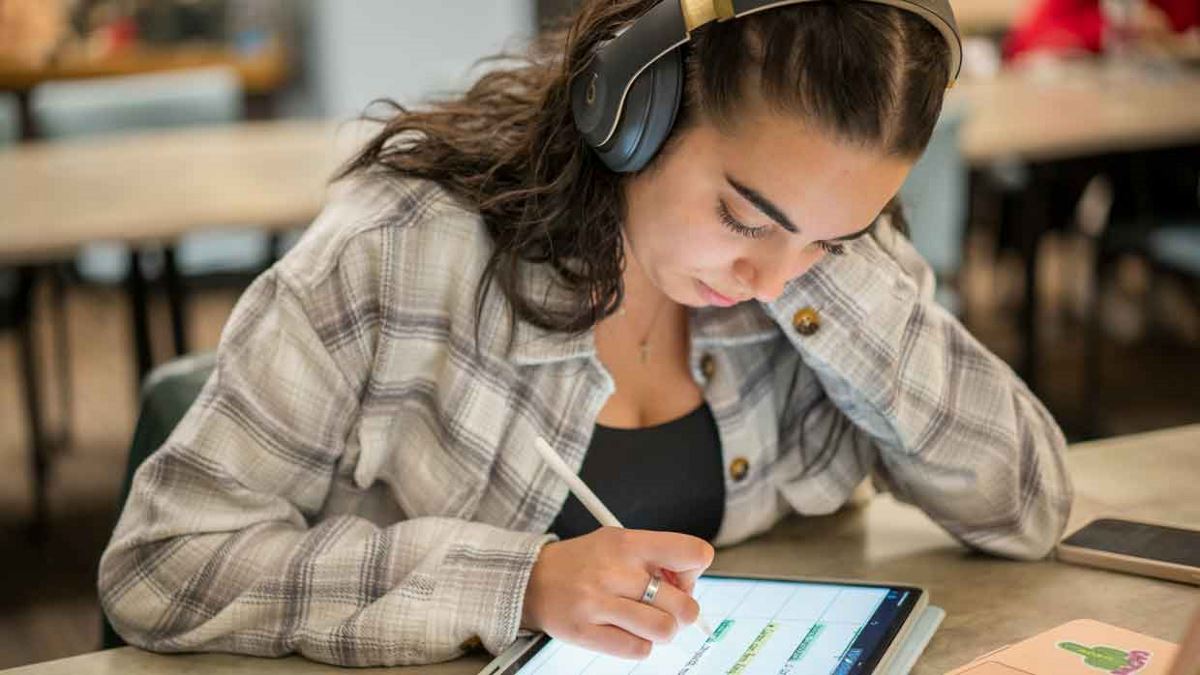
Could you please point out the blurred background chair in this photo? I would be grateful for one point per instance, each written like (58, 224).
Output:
(935, 198)
(9, 125)
(1176, 246)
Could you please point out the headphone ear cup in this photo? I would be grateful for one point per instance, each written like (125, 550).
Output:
(647, 116)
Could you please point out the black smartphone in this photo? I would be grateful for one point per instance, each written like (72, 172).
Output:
(1149, 549)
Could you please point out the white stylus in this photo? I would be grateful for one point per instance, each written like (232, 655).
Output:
(590, 501)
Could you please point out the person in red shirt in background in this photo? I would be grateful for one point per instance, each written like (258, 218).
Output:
(1079, 25)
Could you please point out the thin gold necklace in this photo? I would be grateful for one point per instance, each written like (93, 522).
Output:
(644, 343)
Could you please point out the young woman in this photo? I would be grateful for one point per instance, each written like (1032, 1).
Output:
(729, 333)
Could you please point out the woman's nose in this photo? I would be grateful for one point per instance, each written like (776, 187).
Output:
(767, 277)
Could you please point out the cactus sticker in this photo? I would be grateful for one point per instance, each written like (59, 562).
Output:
(1109, 659)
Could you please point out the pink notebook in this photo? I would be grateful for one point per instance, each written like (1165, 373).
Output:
(1082, 647)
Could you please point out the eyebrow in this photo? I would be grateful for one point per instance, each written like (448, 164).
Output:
(763, 204)
(774, 213)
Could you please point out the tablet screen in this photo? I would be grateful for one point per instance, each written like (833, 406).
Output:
(760, 626)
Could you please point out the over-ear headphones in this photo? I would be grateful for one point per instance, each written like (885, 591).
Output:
(625, 99)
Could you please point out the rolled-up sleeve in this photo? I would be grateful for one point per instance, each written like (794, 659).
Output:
(220, 547)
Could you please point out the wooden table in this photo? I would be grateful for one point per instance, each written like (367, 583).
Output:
(989, 602)
(154, 187)
(1080, 110)
(151, 188)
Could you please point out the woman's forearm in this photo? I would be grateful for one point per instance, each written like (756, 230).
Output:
(954, 430)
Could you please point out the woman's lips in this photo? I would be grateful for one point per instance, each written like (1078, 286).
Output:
(714, 298)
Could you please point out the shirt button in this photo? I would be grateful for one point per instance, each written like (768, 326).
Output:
(806, 321)
(738, 469)
(708, 366)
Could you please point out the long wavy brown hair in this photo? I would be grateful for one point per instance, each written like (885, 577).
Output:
(867, 73)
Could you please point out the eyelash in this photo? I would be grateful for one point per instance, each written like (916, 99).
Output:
(832, 249)
(759, 232)
(735, 225)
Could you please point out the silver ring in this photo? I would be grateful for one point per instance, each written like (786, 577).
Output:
(651, 591)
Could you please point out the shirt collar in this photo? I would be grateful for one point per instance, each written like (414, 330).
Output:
(743, 324)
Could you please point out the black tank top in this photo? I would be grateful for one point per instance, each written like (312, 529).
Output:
(667, 477)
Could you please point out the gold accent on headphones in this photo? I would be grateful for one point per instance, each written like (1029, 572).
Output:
(696, 13)
(724, 9)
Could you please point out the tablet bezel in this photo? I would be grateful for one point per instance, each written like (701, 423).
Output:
(525, 648)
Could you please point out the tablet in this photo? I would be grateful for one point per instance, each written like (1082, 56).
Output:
(776, 625)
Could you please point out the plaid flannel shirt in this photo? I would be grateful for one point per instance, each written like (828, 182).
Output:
(358, 483)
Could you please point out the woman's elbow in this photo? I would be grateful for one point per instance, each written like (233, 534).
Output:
(1045, 495)
(129, 603)
(1031, 535)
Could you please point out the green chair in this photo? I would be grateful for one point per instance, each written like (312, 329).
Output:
(10, 129)
(167, 394)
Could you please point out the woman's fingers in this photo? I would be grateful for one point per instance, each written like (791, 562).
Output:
(588, 590)
(670, 550)
(613, 640)
(681, 606)
(684, 581)
(645, 621)
(629, 628)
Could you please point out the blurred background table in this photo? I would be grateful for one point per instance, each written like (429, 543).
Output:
(989, 602)
(1077, 110)
(155, 186)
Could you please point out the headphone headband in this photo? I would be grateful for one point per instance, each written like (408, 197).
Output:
(600, 89)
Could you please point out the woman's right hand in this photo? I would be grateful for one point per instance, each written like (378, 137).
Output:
(588, 590)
